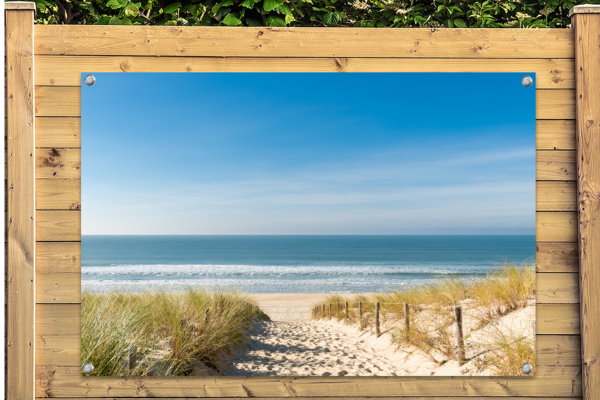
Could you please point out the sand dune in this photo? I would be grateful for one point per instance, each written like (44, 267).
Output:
(293, 345)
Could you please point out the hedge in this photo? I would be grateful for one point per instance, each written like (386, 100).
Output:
(346, 13)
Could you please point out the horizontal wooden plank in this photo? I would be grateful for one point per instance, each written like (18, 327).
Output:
(58, 163)
(65, 350)
(58, 381)
(556, 288)
(554, 196)
(58, 194)
(65, 132)
(559, 319)
(65, 101)
(66, 71)
(57, 132)
(57, 257)
(555, 104)
(556, 257)
(556, 165)
(97, 40)
(58, 226)
(554, 135)
(354, 398)
(556, 227)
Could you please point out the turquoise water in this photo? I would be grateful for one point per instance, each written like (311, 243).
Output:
(292, 264)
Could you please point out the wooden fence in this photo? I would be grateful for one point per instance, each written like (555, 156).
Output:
(43, 72)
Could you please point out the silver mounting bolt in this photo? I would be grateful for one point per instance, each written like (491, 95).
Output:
(90, 80)
(87, 367)
(526, 368)
(526, 81)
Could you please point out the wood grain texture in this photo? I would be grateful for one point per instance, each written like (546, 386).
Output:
(58, 226)
(65, 194)
(552, 196)
(555, 288)
(587, 29)
(556, 257)
(99, 40)
(556, 165)
(66, 71)
(556, 227)
(554, 135)
(20, 285)
(559, 319)
(65, 132)
(61, 132)
(65, 101)
(58, 257)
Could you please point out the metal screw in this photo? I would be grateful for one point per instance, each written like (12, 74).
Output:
(88, 368)
(90, 80)
(526, 81)
(526, 368)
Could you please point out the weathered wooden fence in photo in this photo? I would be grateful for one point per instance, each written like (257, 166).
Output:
(43, 72)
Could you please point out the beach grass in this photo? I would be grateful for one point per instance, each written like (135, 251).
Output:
(162, 333)
(431, 317)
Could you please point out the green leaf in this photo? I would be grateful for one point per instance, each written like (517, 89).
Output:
(284, 9)
(171, 23)
(132, 10)
(249, 3)
(171, 8)
(275, 21)
(331, 18)
(289, 19)
(460, 23)
(103, 21)
(231, 20)
(270, 5)
(114, 21)
(115, 4)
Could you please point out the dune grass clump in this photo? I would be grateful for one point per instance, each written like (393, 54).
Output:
(162, 333)
(431, 317)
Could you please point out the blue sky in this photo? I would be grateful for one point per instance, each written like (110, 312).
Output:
(308, 153)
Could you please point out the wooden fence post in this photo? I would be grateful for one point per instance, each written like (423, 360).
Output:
(586, 22)
(377, 330)
(347, 314)
(460, 344)
(338, 311)
(133, 355)
(20, 193)
(206, 316)
(329, 311)
(406, 320)
(323, 312)
(360, 312)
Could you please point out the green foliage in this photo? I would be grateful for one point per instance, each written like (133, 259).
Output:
(357, 13)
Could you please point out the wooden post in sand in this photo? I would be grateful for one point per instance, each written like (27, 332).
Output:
(338, 312)
(360, 312)
(406, 323)
(206, 316)
(132, 358)
(460, 344)
(377, 330)
(329, 310)
(347, 314)
(323, 315)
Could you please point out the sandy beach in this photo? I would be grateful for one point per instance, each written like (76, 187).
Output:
(291, 344)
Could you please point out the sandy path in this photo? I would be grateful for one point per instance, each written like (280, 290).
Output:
(292, 345)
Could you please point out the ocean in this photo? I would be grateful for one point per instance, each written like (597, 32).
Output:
(292, 264)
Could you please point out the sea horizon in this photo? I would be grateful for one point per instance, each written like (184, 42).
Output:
(292, 263)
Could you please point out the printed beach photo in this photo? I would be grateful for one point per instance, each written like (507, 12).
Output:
(308, 224)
